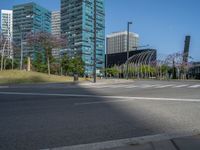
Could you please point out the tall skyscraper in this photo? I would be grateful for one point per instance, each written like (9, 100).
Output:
(186, 49)
(55, 23)
(117, 42)
(29, 18)
(7, 30)
(77, 22)
(55, 30)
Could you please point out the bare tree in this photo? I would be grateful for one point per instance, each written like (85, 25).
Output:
(3, 42)
(46, 41)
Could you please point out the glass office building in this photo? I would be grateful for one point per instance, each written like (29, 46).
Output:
(7, 31)
(117, 42)
(29, 18)
(77, 22)
(55, 23)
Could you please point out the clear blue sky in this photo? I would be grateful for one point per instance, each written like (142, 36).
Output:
(162, 24)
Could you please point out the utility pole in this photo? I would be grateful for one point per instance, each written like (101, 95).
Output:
(128, 28)
(106, 67)
(95, 40)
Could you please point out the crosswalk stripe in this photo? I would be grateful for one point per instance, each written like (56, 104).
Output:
(101, 87)
(180, 86)
(194, 86)
(2, 87)
(119, 86)
(156, 86)
(131, 86)
(164, 86)
(147, 86)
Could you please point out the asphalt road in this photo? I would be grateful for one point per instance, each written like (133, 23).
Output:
(55, 115)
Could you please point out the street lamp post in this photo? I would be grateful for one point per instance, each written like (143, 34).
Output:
(95, 41)
(106, 67)
(21, 55)
(128, 27)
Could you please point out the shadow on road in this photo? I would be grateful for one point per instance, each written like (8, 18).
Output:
(38, 122)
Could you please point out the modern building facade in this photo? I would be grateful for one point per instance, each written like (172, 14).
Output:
(186, 49)
(29, 18)
(55, 30)
(7, 31)
(77, 22)
(117, 42)
(55, 23)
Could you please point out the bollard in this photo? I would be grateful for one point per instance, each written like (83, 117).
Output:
(75, 77)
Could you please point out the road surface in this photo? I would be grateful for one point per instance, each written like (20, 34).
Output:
(54, 115)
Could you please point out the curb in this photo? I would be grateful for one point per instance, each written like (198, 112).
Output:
(129, 141)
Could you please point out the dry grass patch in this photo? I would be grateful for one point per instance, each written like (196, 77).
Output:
(16, 76)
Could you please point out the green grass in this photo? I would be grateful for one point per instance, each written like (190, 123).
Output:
(18, 77)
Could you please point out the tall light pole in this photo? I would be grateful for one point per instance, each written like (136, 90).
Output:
(95, 41)
(106, 67)
(21, 55)
(128, 28)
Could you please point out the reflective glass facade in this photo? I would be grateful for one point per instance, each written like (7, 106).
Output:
(28, 18)
(55, 23)
(7, 30)
(117, 42)
(77, 22)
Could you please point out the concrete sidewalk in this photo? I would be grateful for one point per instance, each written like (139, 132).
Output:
(106, 82)
(184, 140)
(183, 143)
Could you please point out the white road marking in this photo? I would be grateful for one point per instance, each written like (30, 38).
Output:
(131, 86)
(118, 86)
(3, 87)
(147, 86)
(100, 102)
(98, 87)
(128, 99)
(164, 86)
(123, 98)
(144, 86)
(180, 86)
(130, 141)
(156, 86)
(111, 86)
(195, 86)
